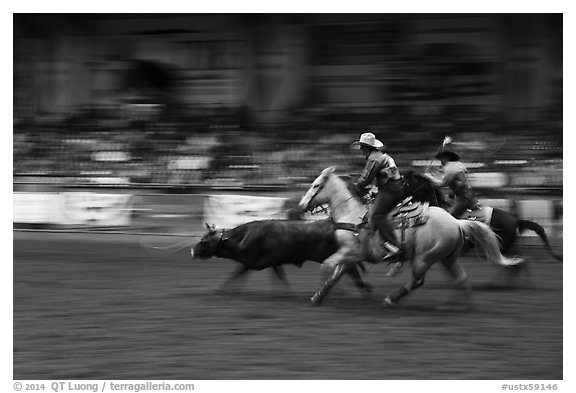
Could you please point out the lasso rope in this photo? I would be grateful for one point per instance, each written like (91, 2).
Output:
(169, 249)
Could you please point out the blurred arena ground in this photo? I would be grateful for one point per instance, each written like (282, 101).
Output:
(101, 307)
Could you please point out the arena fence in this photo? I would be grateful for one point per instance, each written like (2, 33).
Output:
(184, 211)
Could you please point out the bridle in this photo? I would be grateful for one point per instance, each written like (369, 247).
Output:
(319, 209)
(323, 208)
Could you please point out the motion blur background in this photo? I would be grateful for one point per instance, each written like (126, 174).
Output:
(131, 127)
(150, 104)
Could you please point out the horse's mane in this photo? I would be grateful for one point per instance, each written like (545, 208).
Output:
(421, 188)
(410, 173)
(350, 185)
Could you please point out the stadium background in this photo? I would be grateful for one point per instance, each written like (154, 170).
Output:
(183, 103)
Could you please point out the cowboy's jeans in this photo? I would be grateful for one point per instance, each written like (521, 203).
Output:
(387, 198)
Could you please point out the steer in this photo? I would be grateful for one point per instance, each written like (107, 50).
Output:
(258, 245)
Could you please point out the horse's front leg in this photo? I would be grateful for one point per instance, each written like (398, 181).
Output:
(317, 298)
(339, 261)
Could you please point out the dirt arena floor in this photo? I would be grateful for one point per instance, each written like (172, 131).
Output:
(101, 307)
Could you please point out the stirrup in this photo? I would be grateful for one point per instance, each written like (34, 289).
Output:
(394, 252)
(393, 256)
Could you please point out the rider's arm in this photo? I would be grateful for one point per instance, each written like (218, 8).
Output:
(367, 177)
(441, 181)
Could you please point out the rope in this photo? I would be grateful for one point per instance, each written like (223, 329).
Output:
(170, 249)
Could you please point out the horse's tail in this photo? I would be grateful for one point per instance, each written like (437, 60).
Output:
(487, 241)
(535, 227)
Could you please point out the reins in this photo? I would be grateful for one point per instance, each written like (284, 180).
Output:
(324, 209)
(339, 225)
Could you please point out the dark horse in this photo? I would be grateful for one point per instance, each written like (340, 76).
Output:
(504, 224)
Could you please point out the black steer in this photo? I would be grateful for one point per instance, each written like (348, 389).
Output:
(258, 245)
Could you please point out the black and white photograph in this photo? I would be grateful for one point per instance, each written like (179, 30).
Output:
(261, 196)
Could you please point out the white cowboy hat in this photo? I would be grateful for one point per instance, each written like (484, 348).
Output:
(368, 139)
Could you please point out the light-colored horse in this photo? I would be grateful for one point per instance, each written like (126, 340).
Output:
(440, 239)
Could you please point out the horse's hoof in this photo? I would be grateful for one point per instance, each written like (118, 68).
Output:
(387, 302)
(316, 299)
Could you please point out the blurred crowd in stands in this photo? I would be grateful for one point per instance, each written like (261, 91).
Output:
(224, 148)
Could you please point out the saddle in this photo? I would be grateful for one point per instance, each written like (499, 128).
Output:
(481, 214)
(408, 214)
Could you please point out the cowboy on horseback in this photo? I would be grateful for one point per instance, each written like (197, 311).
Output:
(381, 169)
(455, 177)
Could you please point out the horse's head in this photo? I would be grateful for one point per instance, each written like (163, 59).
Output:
(421, 189)
(317, 194)
(208, 243)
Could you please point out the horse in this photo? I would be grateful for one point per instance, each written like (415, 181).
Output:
(264, 244)
(506, 226)
(440, 238)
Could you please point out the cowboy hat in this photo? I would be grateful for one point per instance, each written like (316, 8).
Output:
(368, 139)
(449, 155)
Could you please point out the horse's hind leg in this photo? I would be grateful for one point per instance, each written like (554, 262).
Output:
(419, 269)
(393, 299)
(460, 283)
(516, 271)
(505, 226)
(511, 276)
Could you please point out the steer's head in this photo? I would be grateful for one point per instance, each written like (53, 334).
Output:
(208, 243)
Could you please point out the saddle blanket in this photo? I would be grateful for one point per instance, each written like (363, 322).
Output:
(410, 214)
(481, 214)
